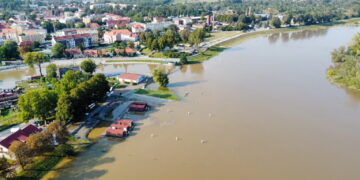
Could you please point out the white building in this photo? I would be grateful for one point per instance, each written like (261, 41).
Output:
(158, 26)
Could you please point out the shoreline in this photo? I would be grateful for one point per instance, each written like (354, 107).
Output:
(238, 40)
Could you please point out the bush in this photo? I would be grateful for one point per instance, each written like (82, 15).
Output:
(64, 150)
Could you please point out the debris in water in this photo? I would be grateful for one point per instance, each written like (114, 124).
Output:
(189, 113)
(186, 94)
(203, 141)
(168, 110)
(210, 115)
(152, 135)
(177, 138)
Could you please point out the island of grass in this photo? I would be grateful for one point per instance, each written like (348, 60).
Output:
(345, 71)
(163, 93)
(204, 56)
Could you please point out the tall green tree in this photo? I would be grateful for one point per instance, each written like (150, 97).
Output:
(160, 77)
(51, 70)
(9, 51)
(58, 50)
(64, 108)
(276, 22)
(88, 66)
(39, 143)
(58, 130)
(36, 58)
(38, 103)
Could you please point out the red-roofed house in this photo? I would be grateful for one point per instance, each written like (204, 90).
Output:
(20, 135)
(25, 43)
(137, 28)
(131, 78)
(120, 128)
(138, 107)
(73, 41)
(75, 53)
(158, 19)
(119, 35)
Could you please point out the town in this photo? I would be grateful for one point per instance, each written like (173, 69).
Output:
(65, 107)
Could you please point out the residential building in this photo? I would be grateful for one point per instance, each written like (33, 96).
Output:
(131, 78)
(138, 27)
(74, 53)
(73, 41)
(158, 26)
(33, 35)
(9, 34)
(119, 35)
(78, 31)
(19, 135)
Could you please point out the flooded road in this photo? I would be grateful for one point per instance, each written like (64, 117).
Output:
(261, 110)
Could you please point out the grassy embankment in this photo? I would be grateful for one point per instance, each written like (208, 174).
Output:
(215, 50)
(8, 118)
(161, 93)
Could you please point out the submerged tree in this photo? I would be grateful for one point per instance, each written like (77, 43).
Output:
(35, 58)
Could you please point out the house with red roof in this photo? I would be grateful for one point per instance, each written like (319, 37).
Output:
(73, 41)
(138, 107)
(119, 35)
(120, 128)
(131, 78)
(75, 53)
(20, 135)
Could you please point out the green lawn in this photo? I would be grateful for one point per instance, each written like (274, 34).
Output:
(164, 94)
(8, 119)
(158, 55)
(146, 51)
(211, 52)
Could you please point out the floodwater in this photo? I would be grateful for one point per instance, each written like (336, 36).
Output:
(262, 110)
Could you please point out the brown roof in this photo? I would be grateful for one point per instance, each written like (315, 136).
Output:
(130, 76)
(20, 135)
(77, 36)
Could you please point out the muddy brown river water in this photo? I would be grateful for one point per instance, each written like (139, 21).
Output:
(262, 110)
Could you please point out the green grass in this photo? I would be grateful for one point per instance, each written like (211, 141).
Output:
(146, 51)
(211, 52)
(161, 93)
(8, 119)
(158, 55)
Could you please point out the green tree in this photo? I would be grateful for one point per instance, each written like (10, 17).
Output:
(276, 22)
(64, 108)
(184, 35)
(48, 26)
(154, 45)
(38, 103)
(160, 77)
(35, 44)
(58, 50)
(130, 44)
(51, 70)
(183, 60)
(39, 143)
(80, 25)
(70, 80)
(21, 152)
(196, 37)
(25, 49)
(57, 130)
(9, 51)
(88, 66)
(32, 58)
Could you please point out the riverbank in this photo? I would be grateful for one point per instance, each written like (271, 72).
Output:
(218, 47)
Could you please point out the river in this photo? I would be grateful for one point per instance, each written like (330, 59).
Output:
(262, 110)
